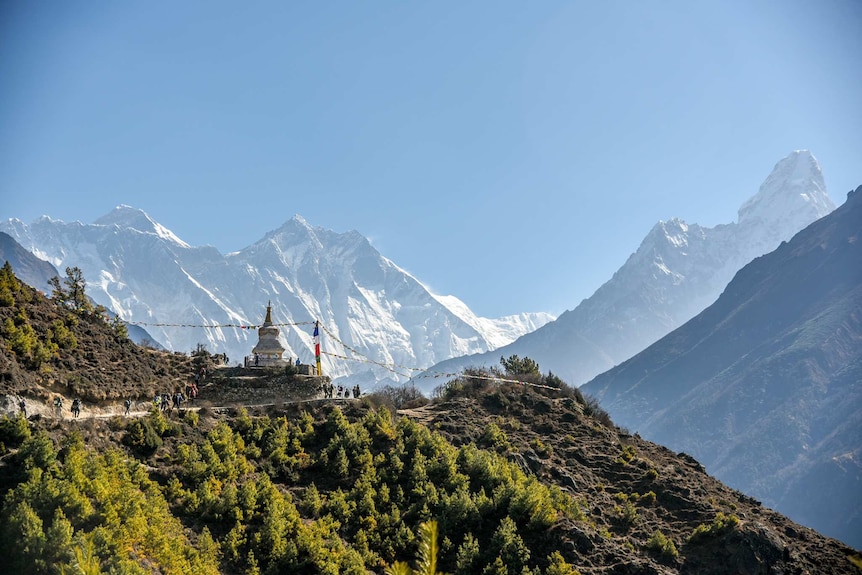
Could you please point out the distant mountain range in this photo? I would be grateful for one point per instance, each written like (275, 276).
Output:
(677, 271)
(371, 310)
(764, 387)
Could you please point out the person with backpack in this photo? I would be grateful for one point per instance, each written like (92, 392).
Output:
(76, 407)
(128, 404)
(58, 406)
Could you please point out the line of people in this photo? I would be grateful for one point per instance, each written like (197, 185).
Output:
(165, 402)
(58, 407)
(331, 391)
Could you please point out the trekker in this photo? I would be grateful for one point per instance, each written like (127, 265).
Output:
(58, 406)
(22, 406)
(128, 404)
(76, 407)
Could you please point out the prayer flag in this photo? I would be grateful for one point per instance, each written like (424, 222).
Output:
(317, 346)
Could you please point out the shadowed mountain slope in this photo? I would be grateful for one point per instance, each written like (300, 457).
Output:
(765, 386)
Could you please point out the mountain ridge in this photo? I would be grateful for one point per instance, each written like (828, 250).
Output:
(765, 381)
(677, 271)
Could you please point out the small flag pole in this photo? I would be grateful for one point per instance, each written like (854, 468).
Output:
(317, 346)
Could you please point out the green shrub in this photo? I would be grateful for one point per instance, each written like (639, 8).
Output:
(142, 437)
(557, 565)
(495, 438)
(627, 455)
(544, 451)
(13, 431)
(191, 417)
(628, 514)
(720, 525)
(662, 546)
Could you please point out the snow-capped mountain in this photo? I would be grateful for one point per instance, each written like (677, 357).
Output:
(370, 309)
(678, 270)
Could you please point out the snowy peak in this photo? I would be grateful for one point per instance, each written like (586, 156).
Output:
(794, 192)
(678, 270)
(363, 299)
(125, 216)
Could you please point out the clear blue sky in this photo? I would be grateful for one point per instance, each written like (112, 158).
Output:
(510, 153)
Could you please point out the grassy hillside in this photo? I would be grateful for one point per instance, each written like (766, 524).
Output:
(518, 480)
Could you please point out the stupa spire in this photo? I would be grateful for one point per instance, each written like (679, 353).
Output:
(268, 319)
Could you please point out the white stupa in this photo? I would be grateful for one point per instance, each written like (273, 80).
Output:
(268, 351)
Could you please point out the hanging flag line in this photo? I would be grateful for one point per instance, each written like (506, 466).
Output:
(368, 359)
(365, 359)
(392, 367)
(216, 325)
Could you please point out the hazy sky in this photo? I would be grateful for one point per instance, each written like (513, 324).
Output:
(510, 153)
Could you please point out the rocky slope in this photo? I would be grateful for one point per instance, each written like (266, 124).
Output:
(631, 488)
(636, 507)
(764, 385)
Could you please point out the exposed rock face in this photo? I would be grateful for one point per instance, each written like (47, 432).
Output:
(763, 385)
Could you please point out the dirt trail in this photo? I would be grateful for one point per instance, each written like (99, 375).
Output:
(139, 408)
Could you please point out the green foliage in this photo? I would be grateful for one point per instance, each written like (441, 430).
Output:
(508, 546)
(71, 292)
(720, 524)
(276, 495)
(541, 448)
(495, 438)
(62, 335)
(468, 556)
(13, 431)
(557, 565)
(86, 512)
(426, 562)
(119, 327)
(192, 418)
(647, 498)
(628, 514)
(662, 545)
(627, 455)
(145, 435)
(514, 366)
(9, 286)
